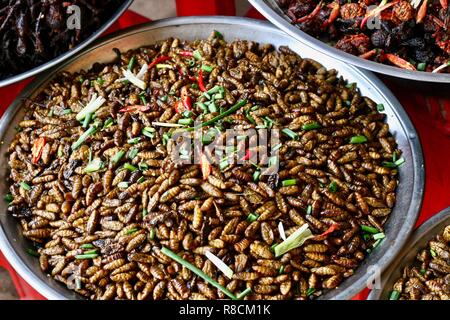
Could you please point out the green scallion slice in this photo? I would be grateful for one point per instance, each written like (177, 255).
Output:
(131, 63)
(197, 55)
(380, 107)
(32, 252)
(186, 122)
(289, 182)
(122, 185)
(8, 198)
(132, 153)
(379, 235)
(207, 68)
(291, 134)
(358, 139)
(309, 209)
(311, 126)
(134, 140)
(252, 217)
(256, 175)
(87, 246)
(66, 111)
(197, 271)
(244, 293)
(131, 231)
(93, 166)
(86, 256)
(369, 229)
(149, 132)
(152, 233)
(25, 186)
(333, 187)
(129, 167)
(116, 158)
(394, 295)
(92, 129)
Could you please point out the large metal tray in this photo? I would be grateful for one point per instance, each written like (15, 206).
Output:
(410, 190)
(418, 241)
(71, 52)
(271, 10)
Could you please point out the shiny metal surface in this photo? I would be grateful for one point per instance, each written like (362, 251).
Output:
(410, 190)
(418, 240)
(70, 53)
(271, 10)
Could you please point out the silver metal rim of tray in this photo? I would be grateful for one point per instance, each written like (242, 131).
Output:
(411, 173)
(55, 61)
(418, 240)
(271, 10)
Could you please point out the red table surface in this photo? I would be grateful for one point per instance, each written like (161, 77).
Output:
(435, 144)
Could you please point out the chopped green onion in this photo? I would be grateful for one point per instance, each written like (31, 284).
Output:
(226, 270)
(186, 122)
(244, 293)
(134, 140)
(66, 111)
(131, 231)
(86, 256)
(223, 164)
(207, 68)
(87, 246)
(95, 165)
(8, 198)
(220, 116)
(422, 271)
(367, 237)
(86, 120)
(32, 252)
(122, 185)
(394, 164)
(100, 81)
(311, 126)
(94, 104)
(116, 158)
(358, 139)
(399, 162)
(309, 209)
(252, 217)
(276, 147)
(369, 229)
(376, 243)
(131, 63)
(379, 235)
(143, 99)
(281, 270)
(197, 271)
(197, 55)
(272, 247)
(131, 77)
(149, 132)
(290, 182)
(433, 253)
(163, 98)
(25, 186)
(144, 213)
(421, 66)
(291, 134)
(165, 138)
(380, 107)
(212, 107)
(152, 234)
(394, 295)
(350, 85)
(129, 167)
(108, 123)
(310, 291)
(218, 35)
(143, 166)
(295, 240)
(132, 153)
(140, 180)
(256, 175)
(90, 251)
(92, 129)
(333, 187)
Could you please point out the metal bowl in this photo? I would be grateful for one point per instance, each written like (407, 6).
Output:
(70, 53)
(418, 240)
(271, 10)
(410, 190)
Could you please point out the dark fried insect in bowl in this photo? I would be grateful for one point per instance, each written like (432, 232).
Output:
(112, 216)
(412, 35)
(33, 32)
(429, 277)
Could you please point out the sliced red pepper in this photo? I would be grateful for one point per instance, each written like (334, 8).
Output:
(36, 150)
(376, 11)
(444, 4)
(335, 9)
(248, 155)
(422, 12)
(399, 62)
(135, 108)
(158, 60)
(314, 13)
(331, 229)
(186, 53)
(205, 166)
(201, 84)
(186, 99)
(370, 54)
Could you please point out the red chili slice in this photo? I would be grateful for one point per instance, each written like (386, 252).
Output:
(135, 108)
(201, 84)
(186, 53)
(36, 150)
(158, 60)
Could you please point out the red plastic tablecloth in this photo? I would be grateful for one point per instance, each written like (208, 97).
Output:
(427, 114)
